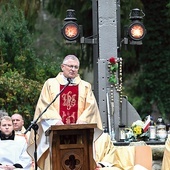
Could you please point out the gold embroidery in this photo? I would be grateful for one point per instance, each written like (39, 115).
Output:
(69, 100)
(69, 118)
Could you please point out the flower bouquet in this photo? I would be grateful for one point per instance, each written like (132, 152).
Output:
(138, 131)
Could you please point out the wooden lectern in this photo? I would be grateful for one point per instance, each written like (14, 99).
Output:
(71, 146)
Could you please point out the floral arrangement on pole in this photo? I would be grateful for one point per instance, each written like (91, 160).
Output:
(113, 67)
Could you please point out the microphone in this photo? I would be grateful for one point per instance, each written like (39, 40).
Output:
(69, 80)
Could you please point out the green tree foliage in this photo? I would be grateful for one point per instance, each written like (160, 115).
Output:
(153, 81)
(15, 40)
(21, 72)
(126, 7)
(18, 94)
(30, 9)
(83, 10)
(129, 54)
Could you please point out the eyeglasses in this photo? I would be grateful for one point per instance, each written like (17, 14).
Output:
(71, 66)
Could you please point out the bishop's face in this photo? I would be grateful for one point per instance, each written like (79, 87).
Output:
(70, 68)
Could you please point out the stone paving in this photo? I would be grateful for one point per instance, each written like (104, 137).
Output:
(157, 153)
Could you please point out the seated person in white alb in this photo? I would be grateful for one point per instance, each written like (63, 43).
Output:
(12, 147)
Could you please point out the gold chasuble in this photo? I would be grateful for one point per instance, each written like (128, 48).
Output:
(75, 104)
(69, 104)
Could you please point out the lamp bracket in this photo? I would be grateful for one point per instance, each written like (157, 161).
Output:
(84, 40)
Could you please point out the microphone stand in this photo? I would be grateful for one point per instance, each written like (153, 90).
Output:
(34, 125)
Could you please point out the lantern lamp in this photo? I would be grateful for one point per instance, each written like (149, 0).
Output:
(70, 28)
(136, 30)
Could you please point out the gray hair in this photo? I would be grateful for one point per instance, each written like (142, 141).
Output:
(3, 113)
(72, 57)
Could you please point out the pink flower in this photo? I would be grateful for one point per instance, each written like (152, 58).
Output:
(112, 60)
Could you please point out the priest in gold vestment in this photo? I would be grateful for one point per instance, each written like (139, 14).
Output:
(76, 104)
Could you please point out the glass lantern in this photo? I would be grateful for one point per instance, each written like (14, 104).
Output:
(161, 132)
(122, 133)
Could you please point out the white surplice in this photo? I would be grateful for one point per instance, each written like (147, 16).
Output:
(14, 151)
